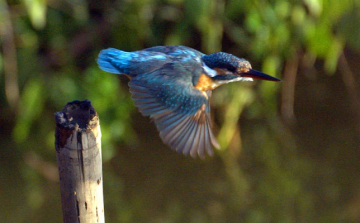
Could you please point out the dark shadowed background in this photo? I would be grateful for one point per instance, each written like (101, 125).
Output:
(290, 150)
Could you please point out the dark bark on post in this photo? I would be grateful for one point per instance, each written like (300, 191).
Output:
(78, 151)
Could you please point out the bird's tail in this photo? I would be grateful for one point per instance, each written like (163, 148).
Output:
(114, 61)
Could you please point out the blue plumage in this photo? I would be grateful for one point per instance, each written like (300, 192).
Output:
(131, 63)
(114, 61)
(222, 60)
(172, 85)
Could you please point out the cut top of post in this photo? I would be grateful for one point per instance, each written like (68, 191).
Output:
(76, 115)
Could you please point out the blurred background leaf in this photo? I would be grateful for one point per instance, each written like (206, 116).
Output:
(290, 150)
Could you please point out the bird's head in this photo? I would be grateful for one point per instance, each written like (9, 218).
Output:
(224, 68)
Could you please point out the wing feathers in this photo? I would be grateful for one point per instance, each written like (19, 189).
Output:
(185, 133)
(185, 137)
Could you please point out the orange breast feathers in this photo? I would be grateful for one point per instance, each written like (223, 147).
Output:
(205, 83)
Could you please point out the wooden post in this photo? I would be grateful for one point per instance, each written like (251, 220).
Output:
(78, 151)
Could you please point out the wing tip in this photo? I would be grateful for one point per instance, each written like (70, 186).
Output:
(186, 135)
(193, 152)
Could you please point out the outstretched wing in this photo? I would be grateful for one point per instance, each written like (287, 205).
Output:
(181, 112)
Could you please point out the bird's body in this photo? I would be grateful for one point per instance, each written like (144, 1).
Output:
(173, 84)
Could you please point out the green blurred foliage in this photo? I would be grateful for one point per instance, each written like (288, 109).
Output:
(294, 158)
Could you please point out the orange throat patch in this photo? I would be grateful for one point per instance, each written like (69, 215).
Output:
(205, 83)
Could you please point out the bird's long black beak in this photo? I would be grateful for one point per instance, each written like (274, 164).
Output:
(259, 75)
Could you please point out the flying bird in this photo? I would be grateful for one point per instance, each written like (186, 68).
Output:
(173, 85)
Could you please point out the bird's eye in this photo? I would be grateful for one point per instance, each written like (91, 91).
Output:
(231, 69)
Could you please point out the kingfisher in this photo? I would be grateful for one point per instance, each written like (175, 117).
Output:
(173, 85)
